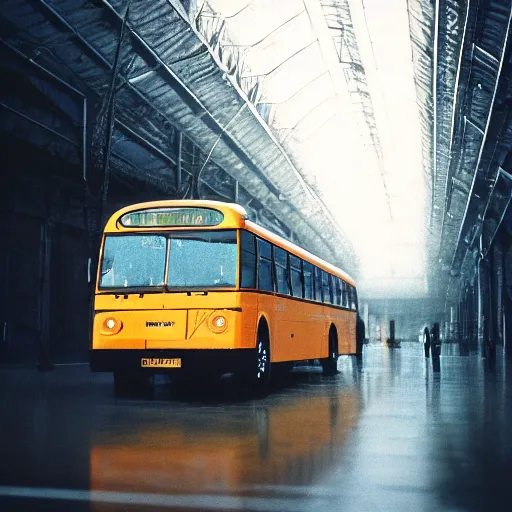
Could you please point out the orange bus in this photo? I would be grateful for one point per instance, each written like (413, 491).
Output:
(194, 288)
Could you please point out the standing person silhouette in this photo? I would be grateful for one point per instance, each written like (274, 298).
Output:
(360, 336)
(426, 341)
(436, 341)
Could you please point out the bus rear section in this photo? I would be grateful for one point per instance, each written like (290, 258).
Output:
(169, 302)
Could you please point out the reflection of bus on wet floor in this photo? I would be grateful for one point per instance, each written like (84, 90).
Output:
(193, 287)
(294, 442)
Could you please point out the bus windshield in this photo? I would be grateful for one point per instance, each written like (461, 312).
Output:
(197, 259)
(202, 259)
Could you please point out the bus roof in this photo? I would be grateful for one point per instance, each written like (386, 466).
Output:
(234, 216)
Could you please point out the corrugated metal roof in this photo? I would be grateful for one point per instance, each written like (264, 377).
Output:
(472, 134)
(170, 82)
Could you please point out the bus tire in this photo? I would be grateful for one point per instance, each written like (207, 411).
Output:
(260, 373)
(330, 363)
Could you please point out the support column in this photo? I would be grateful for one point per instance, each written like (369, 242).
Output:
(366, 319)
(461, 335)
(480, 309)
(473, 316)
(497, 282)
(237, 191)
(179, 150)
(485, 343)
(454, 323)
(43, 356)
(507, 285)
(490, 309)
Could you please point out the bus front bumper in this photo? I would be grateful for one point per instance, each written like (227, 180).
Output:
(192, 361)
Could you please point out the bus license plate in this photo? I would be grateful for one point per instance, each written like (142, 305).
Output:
(151, 362)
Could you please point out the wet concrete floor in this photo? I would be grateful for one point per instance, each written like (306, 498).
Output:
(390, 433)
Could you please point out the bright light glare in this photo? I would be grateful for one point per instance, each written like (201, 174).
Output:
(398, 246)
(377, 195)
(219, 321)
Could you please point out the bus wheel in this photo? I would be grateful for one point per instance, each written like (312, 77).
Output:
(330, 363)
(261, 372)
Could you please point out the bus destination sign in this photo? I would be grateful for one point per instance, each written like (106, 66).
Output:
(171, 217)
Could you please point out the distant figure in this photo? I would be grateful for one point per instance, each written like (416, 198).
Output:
(360, 334)
(436, 341)
(426, 341)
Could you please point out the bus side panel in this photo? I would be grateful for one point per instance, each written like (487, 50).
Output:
(266, 307)
(249, 304)
(313, 330)
(281, 315)
(300, 330)
(307, 326)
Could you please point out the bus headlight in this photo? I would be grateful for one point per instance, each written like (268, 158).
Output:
(218, 323)
(111, 326)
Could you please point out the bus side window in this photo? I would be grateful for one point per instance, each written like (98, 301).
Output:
(265, 279)
(318, 285)
(344, 294)
(248, 259)
(337, 285)
(352, 298)
(281, 270)
(296, 275)
(325, 286)
(309, 283)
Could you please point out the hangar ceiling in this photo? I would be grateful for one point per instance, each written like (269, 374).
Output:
(289, 108)
(180, 121)
(471, 137)
(339, 95)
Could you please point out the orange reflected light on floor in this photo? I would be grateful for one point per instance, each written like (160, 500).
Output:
(290, 443)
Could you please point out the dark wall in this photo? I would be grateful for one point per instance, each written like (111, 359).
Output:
(44, 254)
(43, 258)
